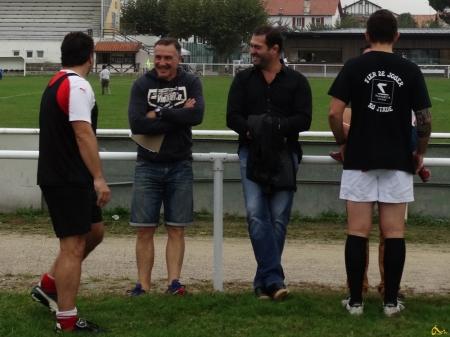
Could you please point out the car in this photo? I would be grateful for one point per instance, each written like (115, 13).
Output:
(239, 65)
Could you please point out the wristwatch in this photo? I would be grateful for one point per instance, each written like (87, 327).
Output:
(158, 113)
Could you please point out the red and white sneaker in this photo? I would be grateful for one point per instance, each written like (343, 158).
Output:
(336, 156)
(424, 174)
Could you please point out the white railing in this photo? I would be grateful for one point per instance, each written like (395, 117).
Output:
(308, 69)
(218, 160)
(126, 132)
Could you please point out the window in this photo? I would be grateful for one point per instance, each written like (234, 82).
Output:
(29, 54)
(318, 21)
(40, 54)
(16, 53)
(300, 22)
(127, 58)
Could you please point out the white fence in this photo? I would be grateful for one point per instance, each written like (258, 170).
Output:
(309, 70)
(218, 160)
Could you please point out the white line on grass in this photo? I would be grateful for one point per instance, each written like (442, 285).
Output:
(437, 99)
(30, 93)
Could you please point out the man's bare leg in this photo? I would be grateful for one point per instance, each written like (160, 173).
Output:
(145, 255)
(174, 252)
(93, 239)
(68, 270)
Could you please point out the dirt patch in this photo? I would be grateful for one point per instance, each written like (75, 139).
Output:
(315, 266)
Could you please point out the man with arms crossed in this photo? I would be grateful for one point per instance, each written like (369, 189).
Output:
(70, 176)
(165, 101)
(378, 162)
(283, 94)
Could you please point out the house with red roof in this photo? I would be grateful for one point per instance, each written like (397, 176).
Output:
(300, 14)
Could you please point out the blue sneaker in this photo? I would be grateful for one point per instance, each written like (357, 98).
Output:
(176, 288)
(136, 291)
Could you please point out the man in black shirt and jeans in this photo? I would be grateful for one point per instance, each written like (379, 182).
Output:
(269, 101)
(378, 162)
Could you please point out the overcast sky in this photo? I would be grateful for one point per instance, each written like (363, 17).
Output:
(400, 6)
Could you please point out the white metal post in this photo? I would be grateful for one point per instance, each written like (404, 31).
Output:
(218, 160)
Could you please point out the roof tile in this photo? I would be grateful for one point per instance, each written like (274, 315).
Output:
(296, 7)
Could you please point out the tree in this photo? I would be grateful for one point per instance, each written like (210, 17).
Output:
(222, 24)
(150, 16)
(185, 19)
(443, 8)
(347, 21)
(405, 20)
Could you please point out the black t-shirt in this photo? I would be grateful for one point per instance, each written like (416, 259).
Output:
(383, 88)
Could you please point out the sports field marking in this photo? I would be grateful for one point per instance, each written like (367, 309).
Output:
(30, 93)
(438, 99)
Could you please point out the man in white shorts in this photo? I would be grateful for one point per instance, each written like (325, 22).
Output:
(379, 164)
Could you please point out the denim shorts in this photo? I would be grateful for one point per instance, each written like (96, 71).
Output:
(168, 184)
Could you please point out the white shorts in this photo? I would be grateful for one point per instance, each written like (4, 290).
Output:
(389, 186)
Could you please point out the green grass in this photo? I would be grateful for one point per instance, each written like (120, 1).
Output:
(328, 227)
(311, 310)
(20, 99)
(304, 313)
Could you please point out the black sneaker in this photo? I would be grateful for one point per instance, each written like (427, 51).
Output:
(261, 293)
(49, 299)
(81, 326)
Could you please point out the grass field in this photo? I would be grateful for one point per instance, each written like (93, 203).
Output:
(308, 311)
(20, 99)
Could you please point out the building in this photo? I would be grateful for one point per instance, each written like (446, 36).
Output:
(34, 29)
(424, 46)
(301, 14)
(361, 9)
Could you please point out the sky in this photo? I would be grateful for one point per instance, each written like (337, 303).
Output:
(399, 6)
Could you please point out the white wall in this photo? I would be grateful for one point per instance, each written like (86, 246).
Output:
(51, 50)
(18, 187)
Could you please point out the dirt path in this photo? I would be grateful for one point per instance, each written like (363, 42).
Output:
(113, 265)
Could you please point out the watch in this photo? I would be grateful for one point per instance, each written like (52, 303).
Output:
(158, 113)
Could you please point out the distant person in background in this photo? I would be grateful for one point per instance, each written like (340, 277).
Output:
(302, 60)
(104, 80)
(1, 74)
(285, 61)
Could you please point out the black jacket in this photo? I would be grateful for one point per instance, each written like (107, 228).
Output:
(270, 162)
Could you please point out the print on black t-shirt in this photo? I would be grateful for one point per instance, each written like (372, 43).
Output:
(382, 92)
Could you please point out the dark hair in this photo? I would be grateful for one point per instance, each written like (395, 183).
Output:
(104, 66)
(76, 49)
(273, 36)
(382, 26)
(167, 41)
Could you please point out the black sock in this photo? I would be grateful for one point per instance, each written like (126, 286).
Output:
(355, 264)
(394, 261)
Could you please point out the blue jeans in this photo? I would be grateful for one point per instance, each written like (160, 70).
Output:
(162, 183)
(267, 218)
